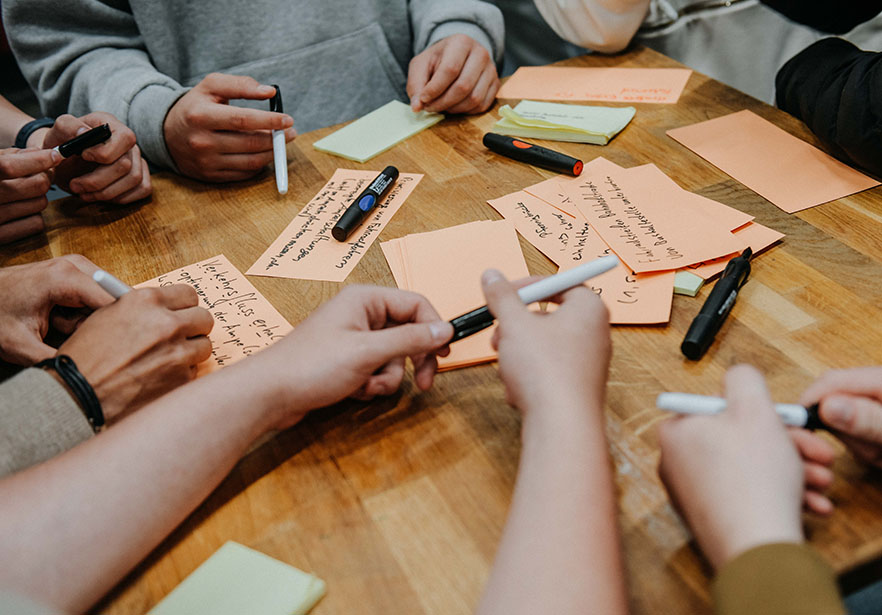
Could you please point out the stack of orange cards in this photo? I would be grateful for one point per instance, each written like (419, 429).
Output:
(446, 266)
(653, 225)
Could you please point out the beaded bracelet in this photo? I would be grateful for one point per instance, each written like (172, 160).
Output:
(79, 386)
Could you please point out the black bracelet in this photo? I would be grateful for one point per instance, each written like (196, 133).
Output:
(21, 139)
(82, 390)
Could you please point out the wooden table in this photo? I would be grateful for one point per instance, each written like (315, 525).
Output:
(399, 504)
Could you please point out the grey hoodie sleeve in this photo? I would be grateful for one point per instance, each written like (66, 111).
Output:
(81, 56)
(38, 420)
(433, 20)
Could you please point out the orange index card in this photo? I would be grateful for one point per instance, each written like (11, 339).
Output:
(631, 298)
(446, 267)
(727, 216)
(554, 192)
(395, 258)
(647, 233)
(757, 236)
(784, 169)
(244, 321)
(627, 85)
(305, 250)
(544, 226)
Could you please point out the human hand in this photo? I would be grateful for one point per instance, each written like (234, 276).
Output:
(212, 141)
(539, 351)
(142, 346)
(736, 477)
(111, 172)
(24, 182)
(30, 298)
(850, 402)
(353, 345)
(456, 75)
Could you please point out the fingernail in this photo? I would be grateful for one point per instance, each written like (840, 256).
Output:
(287, 121)
(837, 412)
(440, 331)
(56, 156)
(82, 129)
(267, 90)
(491, 276)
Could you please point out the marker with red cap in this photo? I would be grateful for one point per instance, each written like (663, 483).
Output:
(532, 154)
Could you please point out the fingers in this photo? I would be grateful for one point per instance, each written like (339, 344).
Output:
(80, 262)
(195, 351)
(195, 321)
(384, 382)
(23, 227)
(502, 298)
(25, 348)
(143, 190)
(27, 162)
(176, 296)
(817, 477)
(407, 340)
(747, 396)
(812, 447)
(817, 503)
(66, 127)
(866, 381)
(109, 181)
(228, 87)
(122, 139)
(470, 88)
(68, 285)
(418, 73)
(859, 417)
(22, 209)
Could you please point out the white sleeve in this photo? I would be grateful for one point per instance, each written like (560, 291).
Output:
(606, 26)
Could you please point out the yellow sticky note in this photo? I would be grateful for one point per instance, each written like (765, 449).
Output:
(238, 580)
(379, 130)
(558, 122)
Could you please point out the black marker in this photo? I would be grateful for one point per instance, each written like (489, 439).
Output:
(363, 203)
(82, 142)
(532, 154)
(717, 307)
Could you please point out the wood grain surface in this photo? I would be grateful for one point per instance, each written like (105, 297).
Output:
(399, 504)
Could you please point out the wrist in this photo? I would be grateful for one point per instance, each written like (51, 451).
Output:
(37, 138)
(739, 541)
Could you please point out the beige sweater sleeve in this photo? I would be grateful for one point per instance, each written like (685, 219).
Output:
(38, 420)
(777, 579)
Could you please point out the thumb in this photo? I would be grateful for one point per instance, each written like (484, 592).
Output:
(408, 340)
(856, 416)
(26, 348)
(228, 87)
(746, 394)
(502, 298)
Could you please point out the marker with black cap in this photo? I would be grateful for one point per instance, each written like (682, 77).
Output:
(532, 154)
(364, 203)
(717, 307)
(280, 155)
(80, 143)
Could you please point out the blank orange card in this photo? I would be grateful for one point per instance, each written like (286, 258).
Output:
(446, 266)
(627, 85)
(770, 161)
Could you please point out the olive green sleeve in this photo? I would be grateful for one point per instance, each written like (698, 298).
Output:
(777, 579)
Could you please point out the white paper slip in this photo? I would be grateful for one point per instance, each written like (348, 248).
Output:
(377, 131)
(559, 122)
(237, 580)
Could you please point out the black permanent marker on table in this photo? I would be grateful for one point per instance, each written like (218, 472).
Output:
(532, 154)
(364, 203)
(717, 307)
(82, 142)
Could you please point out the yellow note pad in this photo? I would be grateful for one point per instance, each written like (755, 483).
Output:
(377, 131)
(237, 580)
(559, 122)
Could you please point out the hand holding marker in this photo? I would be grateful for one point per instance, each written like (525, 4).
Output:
(793, 415)
(481, 318)
(81, 143)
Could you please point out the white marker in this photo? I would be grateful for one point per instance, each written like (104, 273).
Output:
(280, 155)
(112, 285)
(481, 318)
(686, 403)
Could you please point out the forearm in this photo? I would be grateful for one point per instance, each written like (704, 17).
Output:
(600, 25)
(560, 551)
(78, 523)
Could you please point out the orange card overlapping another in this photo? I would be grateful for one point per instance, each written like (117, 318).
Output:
(757, 236)
(770, 161)
(306, 250)
(568, 242)
(446, 267)
(244, 321)
(627, 85)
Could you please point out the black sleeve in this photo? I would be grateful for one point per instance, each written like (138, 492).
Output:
(835, 17)
(836, 89)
